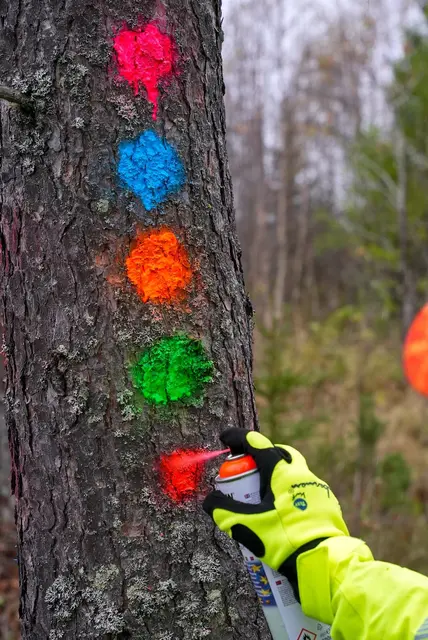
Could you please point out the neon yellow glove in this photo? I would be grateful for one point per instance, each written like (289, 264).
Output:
(297, 510)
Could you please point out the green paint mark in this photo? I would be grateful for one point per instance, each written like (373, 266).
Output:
(174, 369)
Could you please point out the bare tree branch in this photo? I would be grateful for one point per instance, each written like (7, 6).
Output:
(11, 95)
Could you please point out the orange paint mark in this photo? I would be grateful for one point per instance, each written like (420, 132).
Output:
(159, 267)
(415, 352)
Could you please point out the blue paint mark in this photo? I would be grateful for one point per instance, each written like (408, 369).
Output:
(151, 168)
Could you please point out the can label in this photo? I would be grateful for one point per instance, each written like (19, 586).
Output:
(245, 488)
(260, 582)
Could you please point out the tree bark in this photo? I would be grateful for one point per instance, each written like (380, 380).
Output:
(4, 455)
(102, 553)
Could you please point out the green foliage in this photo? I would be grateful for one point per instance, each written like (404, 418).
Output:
(369, 427)
(275, 383)
(409, 93)
(396, 480)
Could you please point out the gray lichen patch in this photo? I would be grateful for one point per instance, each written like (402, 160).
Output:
(30, 144)
(56, 635)
(38, 85)
(75, 78)
(189, 608)
(180, 533)
(198, 614)
(42, 84)
(128, 409)
(234, 614)
(190, 622)
(93, 597)
(165, 635)
(125, 109)
(104, 576)
(215, 603)
(192, 617)
(103, 613)
(197, 632)
(116, 516)
(63, 598)
(148, 598)
(78, 123)
(101, 206)
(205, 567)
(78, 401)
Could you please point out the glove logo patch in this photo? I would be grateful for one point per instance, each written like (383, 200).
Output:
(299, 501)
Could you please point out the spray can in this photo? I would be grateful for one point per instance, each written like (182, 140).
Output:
(239, 478)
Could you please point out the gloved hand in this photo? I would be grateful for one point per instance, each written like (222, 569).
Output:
(297, 510)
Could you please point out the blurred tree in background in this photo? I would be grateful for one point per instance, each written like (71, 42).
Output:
(386, 218)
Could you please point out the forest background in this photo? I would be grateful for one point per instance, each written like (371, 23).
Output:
(327, 115)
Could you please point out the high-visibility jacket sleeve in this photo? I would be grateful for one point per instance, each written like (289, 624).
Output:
(341, 584)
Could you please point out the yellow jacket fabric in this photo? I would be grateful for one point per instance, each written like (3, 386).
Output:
(362, 599)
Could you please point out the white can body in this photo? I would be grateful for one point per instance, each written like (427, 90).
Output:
(283, 613)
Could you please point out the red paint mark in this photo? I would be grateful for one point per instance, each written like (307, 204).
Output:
(181, 472)
(159, 267)
(415, 352)
(145, 57)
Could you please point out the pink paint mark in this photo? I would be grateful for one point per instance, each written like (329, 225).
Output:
(181, 472)
(145, 57)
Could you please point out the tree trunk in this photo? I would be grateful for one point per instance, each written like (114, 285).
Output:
(281, 267)
(300, 254)
(407, 285)
(102, 552)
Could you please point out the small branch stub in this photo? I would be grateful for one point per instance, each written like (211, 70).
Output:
(11, 95)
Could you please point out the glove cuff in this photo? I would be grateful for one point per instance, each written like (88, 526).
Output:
(289, 566)
(322, 570)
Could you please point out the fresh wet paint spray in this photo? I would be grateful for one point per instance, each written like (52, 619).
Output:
(181, 472)
(239, 478)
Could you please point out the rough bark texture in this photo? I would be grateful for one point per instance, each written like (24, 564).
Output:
(4, 452)
(101, 553)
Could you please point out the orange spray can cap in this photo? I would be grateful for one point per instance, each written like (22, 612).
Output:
(236, 465)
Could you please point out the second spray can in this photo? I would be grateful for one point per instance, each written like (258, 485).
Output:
(239, 478)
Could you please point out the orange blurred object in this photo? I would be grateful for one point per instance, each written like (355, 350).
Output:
(415, 352)
(159, 267)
